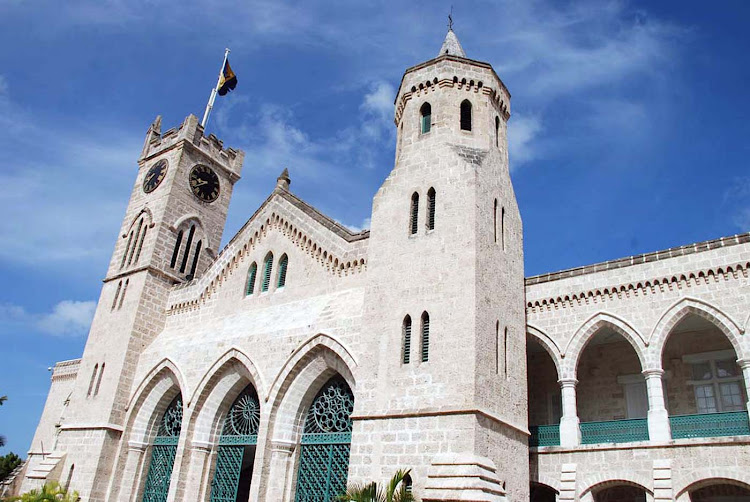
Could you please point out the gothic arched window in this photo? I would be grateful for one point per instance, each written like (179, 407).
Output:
(237, 444)
(99, 380)
(251, 273)
(497, 132)
(189, 243)
(406, 329)
(414, 215)
(195, 259)
(93, 379)
(326, 442)
(176, 251)
(163, 451)
(425, 336)
(431, 209)
(283, 262)
(466, 115)
(425, 118)
(267, 266)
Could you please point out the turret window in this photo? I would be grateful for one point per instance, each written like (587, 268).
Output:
(283, 262)
(497, 132)
(466, 115)
(431, 209)
(406, 328)
(425, 118)
(414, 216)
(93, 379)
(251, 273)
(267, 266)
(425, 337)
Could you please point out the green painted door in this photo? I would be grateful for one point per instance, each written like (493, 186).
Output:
(163, 453)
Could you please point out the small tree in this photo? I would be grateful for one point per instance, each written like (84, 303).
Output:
(50, 492)
(2, 438)
(396, 491)
(8, 463)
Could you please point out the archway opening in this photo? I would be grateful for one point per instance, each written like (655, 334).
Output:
(236, 454)
(720, 492)
(163, 452)
(542, 493)
(545, 402)
(611, 390)
(620, 493)
(326, 443)
(705, 392)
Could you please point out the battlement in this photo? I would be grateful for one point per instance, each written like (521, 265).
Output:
(191, 132)
(66, 369)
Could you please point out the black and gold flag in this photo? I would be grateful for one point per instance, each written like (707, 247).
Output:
(227, 80)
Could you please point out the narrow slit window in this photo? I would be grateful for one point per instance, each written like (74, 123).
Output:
(431, 209)
(187, 249)
(122, 296)
(99, 380)
(505, 352)
(251, 273)
(466, 115)
(137, 238)
(117, 294)
(93, 378)
(267, 266)
(283, 262)
(407, 484)
(497, 348)
(195, 258)
(127, 250)
(425, 118)
(407, 339)
(425, 337)
(176, 251)
(494, 221)
(497, 132)
(140, 244)
(414, 216)
(502, 227)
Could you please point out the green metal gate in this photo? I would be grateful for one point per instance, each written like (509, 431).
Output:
(326, 441)
(163, 452)
(240, 430)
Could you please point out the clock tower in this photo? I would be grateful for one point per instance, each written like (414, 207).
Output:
(170, 234)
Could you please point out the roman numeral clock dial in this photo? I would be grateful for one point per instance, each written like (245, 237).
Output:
(154, 176)
(204, 183)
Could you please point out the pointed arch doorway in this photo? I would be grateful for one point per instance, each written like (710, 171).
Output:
(237, 444)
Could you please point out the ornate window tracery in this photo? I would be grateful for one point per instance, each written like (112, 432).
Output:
(163, 453)
(236, 454)
(326, 442)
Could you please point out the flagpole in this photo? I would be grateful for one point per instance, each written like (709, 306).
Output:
(212, 98)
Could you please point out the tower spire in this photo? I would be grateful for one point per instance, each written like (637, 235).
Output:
(451, 45)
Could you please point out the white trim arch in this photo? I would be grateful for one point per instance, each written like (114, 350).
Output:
(216, 392)
(589, 329)
(548, 344)
(700, 478)
(681, 309)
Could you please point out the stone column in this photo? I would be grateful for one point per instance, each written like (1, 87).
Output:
(662, 480)
(278, 473)
(745, 365)
(133, 473)
(195, 482)
(658, 417)
(570, 432)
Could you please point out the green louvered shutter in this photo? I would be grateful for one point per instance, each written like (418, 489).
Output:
(252, 272)
(267, 266)
(282, 271)
(425, 337)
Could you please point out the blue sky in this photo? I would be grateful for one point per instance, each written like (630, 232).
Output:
(629, 130)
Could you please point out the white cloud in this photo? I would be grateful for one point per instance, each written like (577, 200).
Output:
(522, 131)
(67, 318)
(365, 225)
(737, 203)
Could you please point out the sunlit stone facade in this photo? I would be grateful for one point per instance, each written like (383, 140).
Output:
(303, 356)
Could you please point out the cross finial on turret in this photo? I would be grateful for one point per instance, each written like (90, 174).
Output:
(450, 20)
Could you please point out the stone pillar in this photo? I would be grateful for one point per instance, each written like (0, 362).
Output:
(570, 432)
(133, 473)
(463, 476)
(662, 480)
(279, 469)
(658, 417)
(195, 483)
(745, 365)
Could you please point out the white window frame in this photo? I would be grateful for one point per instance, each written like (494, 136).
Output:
(715, 382)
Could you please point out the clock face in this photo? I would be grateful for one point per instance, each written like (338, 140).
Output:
(204, 183)
(154, 176)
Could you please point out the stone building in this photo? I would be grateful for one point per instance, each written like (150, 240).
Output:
(303, 355)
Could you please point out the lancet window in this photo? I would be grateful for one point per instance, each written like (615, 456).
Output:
(326, 443)
(425, 118)
(466, 115)
(163, 452)
(237, 445)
